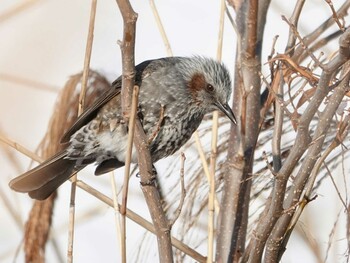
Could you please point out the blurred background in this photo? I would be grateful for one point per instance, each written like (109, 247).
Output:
(43, 43)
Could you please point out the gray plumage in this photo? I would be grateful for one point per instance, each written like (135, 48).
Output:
(181, 89)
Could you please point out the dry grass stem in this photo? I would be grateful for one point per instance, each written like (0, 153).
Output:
(213, 154)
(11, 157)
(28, 83)
(84, 83)
(131, 132)
(116, 210)
(205, 166)
(161, 28)
(21, 149)
(17, 9)
(202, 157)
(211, 197)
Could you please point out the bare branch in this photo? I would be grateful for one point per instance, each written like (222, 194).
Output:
(277, 131)
(297, 35)
(302, 141)
(335, 16)
(294, 20)
(233, 222)
(342, 11)
(149, 188)
(310, 160)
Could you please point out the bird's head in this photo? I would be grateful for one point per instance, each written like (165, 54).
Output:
(209, 84)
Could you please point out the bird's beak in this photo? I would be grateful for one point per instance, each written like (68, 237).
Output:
(227, 110)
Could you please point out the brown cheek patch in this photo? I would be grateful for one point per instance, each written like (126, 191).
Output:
(197, 83)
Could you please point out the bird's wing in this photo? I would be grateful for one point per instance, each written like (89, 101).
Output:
(143, 70)
(91, 112)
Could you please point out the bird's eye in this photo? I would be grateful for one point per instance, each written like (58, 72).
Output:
(210, 88)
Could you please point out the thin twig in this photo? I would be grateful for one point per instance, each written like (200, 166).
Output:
(294, 19)
(303, 44)
(213, 155)
(84, 81)
(131, 132)
(331, 236)
(276, 245)
(211, 207)
(116, 210)
(277, 131)
(211, 199)
(230, 18)
(205, 166)
(336, 189)
(334, 15)
(341, 12)
(297, 68)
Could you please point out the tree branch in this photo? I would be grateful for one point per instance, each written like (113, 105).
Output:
(274, 250)
(149, 188)
(233, 222)
(302, 141)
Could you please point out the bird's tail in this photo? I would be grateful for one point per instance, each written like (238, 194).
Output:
(43, 180)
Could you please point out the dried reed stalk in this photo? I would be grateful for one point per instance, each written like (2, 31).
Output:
(214, 147)
(131, 127)
(17, 9)
(28, 83)
(161, 28)
(82, 96)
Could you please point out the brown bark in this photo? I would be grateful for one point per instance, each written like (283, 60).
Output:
(233, 223)
(148, 183)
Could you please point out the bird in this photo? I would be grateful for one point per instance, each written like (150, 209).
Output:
(174, 95)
